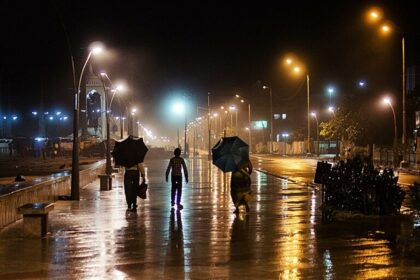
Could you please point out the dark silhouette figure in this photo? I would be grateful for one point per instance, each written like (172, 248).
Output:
(176, 164)
(131, 184)
(240, 185)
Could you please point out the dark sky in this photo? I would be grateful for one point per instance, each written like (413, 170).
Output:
(197, 48)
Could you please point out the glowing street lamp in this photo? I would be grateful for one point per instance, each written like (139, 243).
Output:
(271, 117)
(297, 69)
(179, 109)
(313, 114)
(249, 120)
(388, 102)
(75, 194)
(386, 29)
(330, 92)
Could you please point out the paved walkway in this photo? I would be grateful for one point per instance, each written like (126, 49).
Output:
(282, 237)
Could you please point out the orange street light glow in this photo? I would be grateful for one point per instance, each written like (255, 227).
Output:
(296, 69)
(385, 28)
(288, 61)
(374, 15)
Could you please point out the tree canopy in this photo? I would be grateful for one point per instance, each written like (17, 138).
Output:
(344, 125)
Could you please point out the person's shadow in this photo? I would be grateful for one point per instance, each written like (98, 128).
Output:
(175, 255)
(240, 238)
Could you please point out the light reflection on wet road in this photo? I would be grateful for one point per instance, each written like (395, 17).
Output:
(282, 237)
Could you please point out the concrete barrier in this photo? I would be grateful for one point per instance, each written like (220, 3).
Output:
(42, 189)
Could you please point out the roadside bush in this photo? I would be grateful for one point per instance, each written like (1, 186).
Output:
(355, 185)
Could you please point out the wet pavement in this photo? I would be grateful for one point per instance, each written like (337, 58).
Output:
(283, 237)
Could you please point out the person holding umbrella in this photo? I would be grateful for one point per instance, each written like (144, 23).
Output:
(231, 154)
(240, 185)
(130, 153)
(131, 184)
(176, 164)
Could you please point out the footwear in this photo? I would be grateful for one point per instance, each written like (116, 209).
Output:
(180, 207)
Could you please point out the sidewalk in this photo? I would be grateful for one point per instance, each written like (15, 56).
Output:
(282, 237)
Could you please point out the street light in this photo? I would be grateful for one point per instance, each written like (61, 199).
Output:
(249, 120)
(75, 194)
(313, 114)
(297, 69)
(233, 108)
(331, 110)
(178, 108)
(108, 136)
(385, 29)
(388, 102)
(271, 117)
(330, 92)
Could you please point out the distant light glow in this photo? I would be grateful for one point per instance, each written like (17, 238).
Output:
(120, 87)
(4, 118)
(331, 109)
(97, 50)
(330, 90)
(178, 108)
(288, 61)
(387, 100)
(51, 118)
(385, 28)
(14, 118)
(313, 114)
(58, 113)
(34, 113)
(285, 135)
(362, 83)
(296, 69)
(65, 118)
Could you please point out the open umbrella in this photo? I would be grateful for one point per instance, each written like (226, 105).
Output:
(129, 151)
(229, 152)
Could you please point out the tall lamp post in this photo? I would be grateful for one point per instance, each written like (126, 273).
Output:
(249, 120)
(75, 192)
(313, 114)
(375, 16)
(108, 141)
(271, 117)
(297, 69)
(387, 101)
(209, 124)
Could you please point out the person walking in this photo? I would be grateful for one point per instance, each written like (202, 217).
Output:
(131, 184)
(176, 164)
(240, 185)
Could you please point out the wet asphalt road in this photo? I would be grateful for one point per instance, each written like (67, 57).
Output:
(282, 238)
(303, 169)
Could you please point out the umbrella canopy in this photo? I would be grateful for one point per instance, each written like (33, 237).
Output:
(229, 152)
(129, 151)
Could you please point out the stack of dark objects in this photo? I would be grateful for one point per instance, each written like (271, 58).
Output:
(415, 191)
(357, 186)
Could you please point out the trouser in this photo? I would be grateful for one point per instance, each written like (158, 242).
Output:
(176, 189)
(131, 183)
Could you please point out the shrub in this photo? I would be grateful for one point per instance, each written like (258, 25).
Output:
(355, 185)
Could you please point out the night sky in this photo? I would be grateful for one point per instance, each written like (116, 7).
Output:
(160, 49)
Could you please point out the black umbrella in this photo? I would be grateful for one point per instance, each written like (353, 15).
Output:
(229, 152)
(129, 151)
